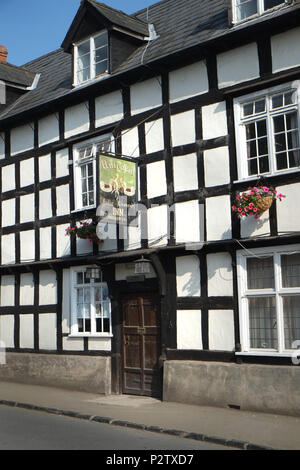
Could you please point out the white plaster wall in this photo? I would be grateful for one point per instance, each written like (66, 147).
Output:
(218, 218)
(45, 243)
(146, 95)
(27, 172)
(66, 302)
(7, 291)
(8, 178)
(288, 219)
(216, 166)
(188, 81)
(47, 331)
(133, 236)
(48, 129)
(251, 227)
(27, 245)
(62, 200)
(7, 324)
(22, 139)
(8, 249)
(26, 289)
(77, 120)
(83, 246)
(2, 145)
(27, 331)
(130, 143)
(73, 344)
(8, 216)
(61, 160)
(62, 241)
(285, 50)
(188, 276)
(221, 330)
(214, 120)
(189, 330)
(45, 168)
(99, 344)
(157, 225)
(109, 108)
(185, 173)
(219, 275)
(154, 132)
(183, 128)
(156, 179)
(122, 271)
(45, 204)
(47, 287)
(238, 65)
(27, 208)
(187, 222)
(109, 234)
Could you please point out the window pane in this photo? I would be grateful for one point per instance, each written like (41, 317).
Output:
(281, 161)
(84, 48)
(261, 128)
(272, 3)
(248, 109)
(277, 101)
(290, 97)
(246, 8)
(101, 54)
(263, 323)
(264, 164)
(79, 278)
(83, 62)
(100, 40)
(252, 166)
(290, 268)
(101, 67)
(291, 314)
(260, 106)
(294, 158)
(250, 131)
(291, 121)
(278, 123)
(260, 273)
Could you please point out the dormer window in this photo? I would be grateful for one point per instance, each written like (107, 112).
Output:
(244, 9)
(91, 58)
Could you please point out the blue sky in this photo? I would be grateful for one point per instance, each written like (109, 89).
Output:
(31, 28)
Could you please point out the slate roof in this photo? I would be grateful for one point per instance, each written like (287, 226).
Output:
(16, 75)
(122, 19)
(180, 24)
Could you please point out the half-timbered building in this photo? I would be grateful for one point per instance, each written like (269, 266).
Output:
(185, 301)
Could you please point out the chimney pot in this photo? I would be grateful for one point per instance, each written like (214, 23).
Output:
(3, 54)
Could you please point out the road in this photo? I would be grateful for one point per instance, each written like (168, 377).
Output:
(32, 430)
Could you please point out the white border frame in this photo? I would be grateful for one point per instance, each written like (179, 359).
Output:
(73, 314)
(278, 292)
(241, 150)
(260, 10)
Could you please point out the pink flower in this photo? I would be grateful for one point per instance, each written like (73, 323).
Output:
(255, 209)
(239, 209)
(255, 188)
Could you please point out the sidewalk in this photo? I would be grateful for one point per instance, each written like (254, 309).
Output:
(243, 429)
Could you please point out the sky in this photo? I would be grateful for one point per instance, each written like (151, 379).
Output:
(32, 28)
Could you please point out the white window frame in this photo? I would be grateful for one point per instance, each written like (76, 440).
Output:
(241, 149)
(260, 10)
(74, 319)
(278, 292)
(77, 166)
(93, 76)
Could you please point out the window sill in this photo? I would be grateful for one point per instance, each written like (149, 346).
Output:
(268, 353)
(91, 335)
(91, 81)
(266, 175)
(81, 209)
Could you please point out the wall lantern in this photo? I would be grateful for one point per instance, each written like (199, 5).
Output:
(142, 266)
(93, 273)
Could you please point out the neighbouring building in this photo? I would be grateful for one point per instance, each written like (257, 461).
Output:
(182, 107)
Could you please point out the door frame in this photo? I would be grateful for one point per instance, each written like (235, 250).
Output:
(131, 295)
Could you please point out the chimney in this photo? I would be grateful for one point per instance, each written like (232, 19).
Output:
(3, 54)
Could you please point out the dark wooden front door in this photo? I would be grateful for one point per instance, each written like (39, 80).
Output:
(141, 345)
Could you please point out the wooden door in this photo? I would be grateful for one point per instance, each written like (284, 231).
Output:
(141, 345)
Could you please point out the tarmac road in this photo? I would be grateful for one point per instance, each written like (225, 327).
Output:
(33, 430)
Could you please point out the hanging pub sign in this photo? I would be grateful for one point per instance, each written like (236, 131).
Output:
(118, 188)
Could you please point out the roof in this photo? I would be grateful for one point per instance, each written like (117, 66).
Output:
(19, 76)
(179, 24)
(120, 18)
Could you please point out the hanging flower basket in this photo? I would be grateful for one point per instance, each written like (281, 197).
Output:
(85, 230)
(255, 201)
